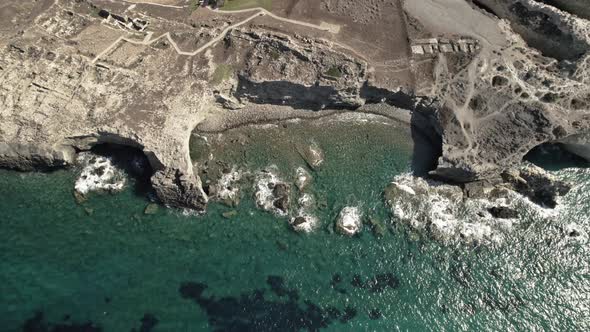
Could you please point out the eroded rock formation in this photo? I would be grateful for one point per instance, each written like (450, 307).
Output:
(69, 82)
(298, 72)
(512, 97)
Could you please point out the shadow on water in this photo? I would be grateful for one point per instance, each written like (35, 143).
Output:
(148, 323)
(253, 312)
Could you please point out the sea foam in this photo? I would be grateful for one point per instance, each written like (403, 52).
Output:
(444, 212)
(98, 174)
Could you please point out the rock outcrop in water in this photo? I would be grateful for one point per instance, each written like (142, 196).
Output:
(480, 211)
(349, 221)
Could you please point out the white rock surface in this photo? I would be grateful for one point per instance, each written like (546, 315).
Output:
(349, 221)
(447, 215)
(302, 178)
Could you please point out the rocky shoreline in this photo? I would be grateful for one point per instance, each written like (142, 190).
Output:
(483, 111)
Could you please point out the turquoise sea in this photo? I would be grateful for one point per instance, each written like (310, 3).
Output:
(104, 265)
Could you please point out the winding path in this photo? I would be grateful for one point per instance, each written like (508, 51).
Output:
(259, 12)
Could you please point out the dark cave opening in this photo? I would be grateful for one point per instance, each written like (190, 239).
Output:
(484, 7)
(427, 144)
(132, 161)
(554, 156)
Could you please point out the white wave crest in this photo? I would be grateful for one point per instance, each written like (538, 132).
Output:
(443, 211)
(227, 187)
(98, 174)
(264, 185)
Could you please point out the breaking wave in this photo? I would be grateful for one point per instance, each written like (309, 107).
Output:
(98, 174)
(446, 214)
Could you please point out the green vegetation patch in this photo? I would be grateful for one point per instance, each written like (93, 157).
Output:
(274, 54)
(222, 73)
(194, 5)
(334, 71)
(246, 4)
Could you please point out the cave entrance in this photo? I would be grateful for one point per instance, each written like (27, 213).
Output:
(427, 144)
(132, 161)
(554, 156)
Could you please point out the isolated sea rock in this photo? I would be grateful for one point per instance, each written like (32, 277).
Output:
(302, 178)
(305, 219)
(271, 193)
(304, 223)
(227, 188)
(312, 153)
(349, 221)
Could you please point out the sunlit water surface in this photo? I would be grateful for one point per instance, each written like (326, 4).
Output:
(105, 265)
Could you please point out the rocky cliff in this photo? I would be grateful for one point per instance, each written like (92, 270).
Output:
(298, 72)
(512, 96)
(501, 77)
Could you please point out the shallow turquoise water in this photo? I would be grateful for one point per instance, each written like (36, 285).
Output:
(113, 265)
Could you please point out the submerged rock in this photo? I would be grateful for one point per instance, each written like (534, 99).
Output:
(312, 154)
(151, 209)
(80, 198)
(376, 226)
(229, 214)
(89, 211)
(349, 221)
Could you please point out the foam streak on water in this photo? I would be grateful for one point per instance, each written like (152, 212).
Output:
(107, 262)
